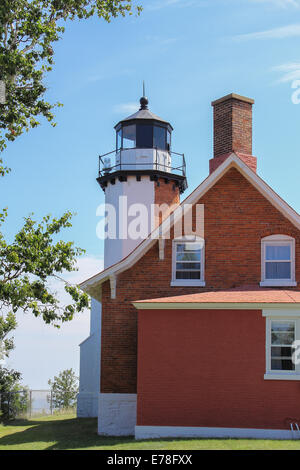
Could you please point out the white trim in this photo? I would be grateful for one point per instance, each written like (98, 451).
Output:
(282, 315)
(161, 248)
(277, 240)
(277, 283)
(272, 376)
(212, 306)
(113, 286)
(187, 282)
(152, 432)
(233, 161)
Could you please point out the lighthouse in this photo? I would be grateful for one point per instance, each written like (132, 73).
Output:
(142, 170)
(142, 176)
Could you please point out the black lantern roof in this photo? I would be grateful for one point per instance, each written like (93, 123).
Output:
(144, 114)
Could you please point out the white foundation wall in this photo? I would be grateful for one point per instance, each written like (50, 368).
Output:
(141, 192)
(89, 378)
(156, 432)
(117, 414)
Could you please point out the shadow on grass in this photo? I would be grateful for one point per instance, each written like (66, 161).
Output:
(66, 433)
(71, 433)
(61, 434)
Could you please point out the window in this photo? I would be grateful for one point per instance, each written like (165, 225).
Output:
(144, 136)
(119, 139)
(159, 137)
(282, 345)
(129, 137)
(168, 140)
(282, 339)
(278, 261)
(188, 262)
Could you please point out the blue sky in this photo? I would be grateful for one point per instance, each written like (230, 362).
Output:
(189, 52)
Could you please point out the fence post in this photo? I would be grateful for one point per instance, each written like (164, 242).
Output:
(51, 405)
(30, 402)
(8, 403)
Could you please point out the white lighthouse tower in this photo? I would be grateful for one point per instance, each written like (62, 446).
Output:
(143, 170)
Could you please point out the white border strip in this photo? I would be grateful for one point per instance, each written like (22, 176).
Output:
(155, 432)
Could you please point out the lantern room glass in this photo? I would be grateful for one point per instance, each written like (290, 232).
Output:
(129, 137)
(143, 135)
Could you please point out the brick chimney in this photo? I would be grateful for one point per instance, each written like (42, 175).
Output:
(232, 130)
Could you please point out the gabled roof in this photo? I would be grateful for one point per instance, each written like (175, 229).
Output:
(92, 284)
(249, 295)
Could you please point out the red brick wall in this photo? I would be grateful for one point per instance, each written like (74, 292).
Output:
(166, 192)
(237, 216)
(232, 126)
(251, 161)
(206, 368)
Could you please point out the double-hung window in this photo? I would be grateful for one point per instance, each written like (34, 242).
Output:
(278, 261)
(282, 346)
(188, 262)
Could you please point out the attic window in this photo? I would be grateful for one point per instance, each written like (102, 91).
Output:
(278, 261)
(188, 262)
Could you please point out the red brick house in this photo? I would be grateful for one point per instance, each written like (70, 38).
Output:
(198, 333)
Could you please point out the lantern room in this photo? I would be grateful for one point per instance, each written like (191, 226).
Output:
(143, 147)
(143, 130)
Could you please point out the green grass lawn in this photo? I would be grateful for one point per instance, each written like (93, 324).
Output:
(67, 432)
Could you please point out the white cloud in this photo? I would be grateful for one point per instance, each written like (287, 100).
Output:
(122, 108)
(42, 350)
(108, 72)
(162, 41)
(289, 72)
(280, 3)
(276, 33)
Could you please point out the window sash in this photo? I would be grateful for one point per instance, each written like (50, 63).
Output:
(275, 265)
(184, 269)
(283, 361)
(273, 270)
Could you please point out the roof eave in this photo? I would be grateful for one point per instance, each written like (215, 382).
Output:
(214, 305)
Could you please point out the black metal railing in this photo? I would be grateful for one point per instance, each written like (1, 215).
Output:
(108, 165)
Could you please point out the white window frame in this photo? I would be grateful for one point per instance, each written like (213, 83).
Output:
(277, 240)
(188, 282)
(280, 315)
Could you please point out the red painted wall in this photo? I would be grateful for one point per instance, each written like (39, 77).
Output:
(206, 368)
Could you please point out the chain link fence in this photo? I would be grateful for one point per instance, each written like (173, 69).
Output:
(27, 404)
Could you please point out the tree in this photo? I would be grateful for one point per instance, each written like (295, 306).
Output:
(64, 389)
(28, 31)
(26, 267)
(13, 397)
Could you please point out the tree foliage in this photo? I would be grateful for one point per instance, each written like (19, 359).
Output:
(13, 397)
(27, 266)
(64, 389)
(28, 31)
